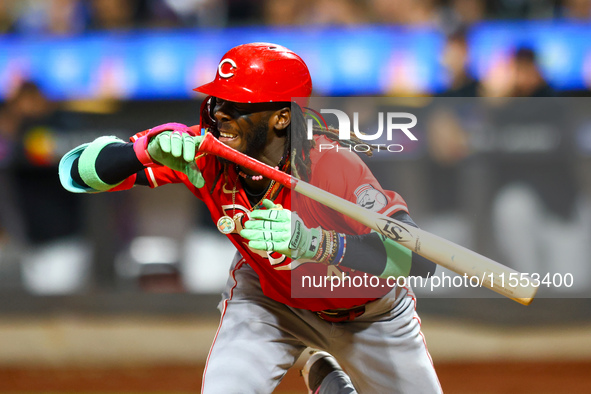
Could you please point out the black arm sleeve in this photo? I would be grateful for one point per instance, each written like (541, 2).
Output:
(367, 253)
(114, 163)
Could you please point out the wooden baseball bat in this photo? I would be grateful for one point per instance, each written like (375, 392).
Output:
(463, 261)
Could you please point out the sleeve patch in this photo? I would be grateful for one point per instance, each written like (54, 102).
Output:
(370, 198)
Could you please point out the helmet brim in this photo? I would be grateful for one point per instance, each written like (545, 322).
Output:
(236, 95)
(228, 93)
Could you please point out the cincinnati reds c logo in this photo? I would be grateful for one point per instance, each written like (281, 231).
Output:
(228, 74)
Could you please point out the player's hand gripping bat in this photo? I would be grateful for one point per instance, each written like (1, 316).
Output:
(456, 258)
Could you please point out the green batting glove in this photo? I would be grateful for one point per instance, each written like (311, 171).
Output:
(177, 151)
(280, 230)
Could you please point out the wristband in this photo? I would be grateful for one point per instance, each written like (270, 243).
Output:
(335, 246)
(342, 249)
(140, 146)
(320, 250)
(87, 163)
(328, 247)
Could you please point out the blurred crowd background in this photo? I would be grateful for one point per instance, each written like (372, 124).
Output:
(67, 17)
(72, 70)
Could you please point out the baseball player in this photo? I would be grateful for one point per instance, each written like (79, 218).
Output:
(374, 332)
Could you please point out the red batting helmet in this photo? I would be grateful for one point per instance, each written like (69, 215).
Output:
(260, 72)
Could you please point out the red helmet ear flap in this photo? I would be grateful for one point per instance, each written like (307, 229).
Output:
(206, 119)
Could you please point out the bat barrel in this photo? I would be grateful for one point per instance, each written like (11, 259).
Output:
(490, 274)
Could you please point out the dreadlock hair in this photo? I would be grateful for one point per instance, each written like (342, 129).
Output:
(301, 146)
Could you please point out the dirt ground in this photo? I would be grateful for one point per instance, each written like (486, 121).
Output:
(77, 354)
(460, 378)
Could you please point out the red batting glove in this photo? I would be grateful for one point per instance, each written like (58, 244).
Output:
(140, 146)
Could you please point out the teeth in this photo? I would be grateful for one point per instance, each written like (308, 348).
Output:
(225, 135)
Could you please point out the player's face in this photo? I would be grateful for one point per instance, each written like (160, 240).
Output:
(244, 126)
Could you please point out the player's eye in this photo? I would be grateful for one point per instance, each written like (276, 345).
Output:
(242, 110)
(232, 109)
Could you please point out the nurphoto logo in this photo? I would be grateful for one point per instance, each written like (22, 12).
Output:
(394, 122)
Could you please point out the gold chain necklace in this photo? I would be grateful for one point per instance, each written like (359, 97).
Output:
(226, 224)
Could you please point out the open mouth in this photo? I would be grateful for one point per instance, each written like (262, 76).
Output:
(227, 136)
